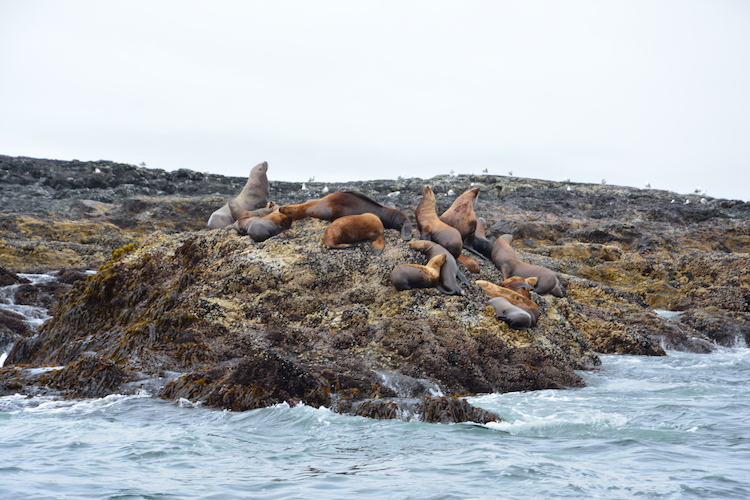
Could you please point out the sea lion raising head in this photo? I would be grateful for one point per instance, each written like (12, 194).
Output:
(478, 242)
(348, 230)
(432, 228)
(461, 214)
(505, 259)
(335, 205)
(253, 196)
(408, 276)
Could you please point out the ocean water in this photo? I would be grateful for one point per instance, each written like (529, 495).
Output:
(671, 427)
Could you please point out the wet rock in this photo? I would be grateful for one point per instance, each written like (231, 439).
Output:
(239, 324)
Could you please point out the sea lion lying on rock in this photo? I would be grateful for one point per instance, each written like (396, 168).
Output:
(408, 276)
(253, 196)
(267, 226)
(512, 301)
(505, 259)
(449, 270)
(335, 205)
(348, 230)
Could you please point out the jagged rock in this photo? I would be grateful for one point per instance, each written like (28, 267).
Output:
(215, 317)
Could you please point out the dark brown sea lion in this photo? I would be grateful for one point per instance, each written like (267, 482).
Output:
(461, 214)
(348, 230)
(432, 228)
(478, 242)
(505, 259)
(449, 269)
(408, 276)
(335, 205)
(269, 225)
(253, 196)
(512, 301)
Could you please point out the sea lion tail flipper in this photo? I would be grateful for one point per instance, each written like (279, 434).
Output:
(462, 277)
(447, 291)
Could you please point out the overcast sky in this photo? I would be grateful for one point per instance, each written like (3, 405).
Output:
(628, 91)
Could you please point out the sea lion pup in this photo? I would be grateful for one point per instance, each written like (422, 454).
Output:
(335, 205)
(449, 269)
(253, 196)
(431, 228)
(350, 229)
(243, 218)
(478, 243)
(505, 259)
(408, 276)
(512, 301)
(267, 226)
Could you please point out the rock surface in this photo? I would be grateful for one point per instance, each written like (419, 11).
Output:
(211, 316)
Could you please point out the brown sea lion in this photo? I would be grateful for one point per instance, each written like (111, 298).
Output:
(348, 230)
(335, 205)
(469, 263)
(269, 225)
(461, 214)
(449, 269)
(505, 259)
(512, 301)
(432, 228)
(253, 196)
(408, 276)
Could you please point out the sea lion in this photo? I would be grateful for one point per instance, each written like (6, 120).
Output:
(432, 228)
(408, 276)
(505, 259)
(335, 205)
(267, 226)
(461, 214)
(512, 301)
(243, 218)
(478, 243)
(345, 231)
(449, 269)
(239, 212)
(254, 195)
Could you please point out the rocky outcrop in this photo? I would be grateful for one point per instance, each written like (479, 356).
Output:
(211, 316)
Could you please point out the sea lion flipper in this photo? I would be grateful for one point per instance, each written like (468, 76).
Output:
(462, 277)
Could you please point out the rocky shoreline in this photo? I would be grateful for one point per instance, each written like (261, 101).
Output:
(211, 316)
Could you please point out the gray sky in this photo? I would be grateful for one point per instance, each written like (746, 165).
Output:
(628, 91)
